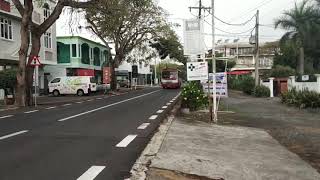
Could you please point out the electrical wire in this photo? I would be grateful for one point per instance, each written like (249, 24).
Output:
(233, 24)
(250, 30)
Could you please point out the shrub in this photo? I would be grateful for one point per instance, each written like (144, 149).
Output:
(301, 99)
(8, 79)
(243, 83)
(282, 71)
(261, 91)
(193, 96)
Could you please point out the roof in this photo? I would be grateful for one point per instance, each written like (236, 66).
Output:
(84, 39)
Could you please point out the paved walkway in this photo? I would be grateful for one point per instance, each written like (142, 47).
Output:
(230, 153)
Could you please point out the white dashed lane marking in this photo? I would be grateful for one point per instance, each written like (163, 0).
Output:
(153, 117)
(160, 111)
(143, 126)
(171, 101)
(168, 104)
(80, 102)
(13, 134)
(91, 173)
(164, 107)
(3, 117)
(51, 107)
(98, 98)
(28, 112)
(104, 107)
(126, 141)
(90, 100)
(67, 105)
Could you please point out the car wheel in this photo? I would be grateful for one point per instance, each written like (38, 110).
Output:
(56, 93)
(80, 92)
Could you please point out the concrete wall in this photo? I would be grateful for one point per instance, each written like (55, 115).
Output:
(312, 86)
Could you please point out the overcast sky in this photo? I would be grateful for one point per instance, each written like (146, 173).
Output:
(232, 11)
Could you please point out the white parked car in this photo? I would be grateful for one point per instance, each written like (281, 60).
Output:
(79, 85)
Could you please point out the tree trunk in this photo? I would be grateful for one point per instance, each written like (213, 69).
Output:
(20, 96)
(113, 83)
(301, 61)
(35, 49)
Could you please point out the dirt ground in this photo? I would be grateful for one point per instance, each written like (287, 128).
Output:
(297, 130)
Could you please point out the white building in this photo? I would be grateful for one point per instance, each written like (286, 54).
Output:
(10, 36)
(124, 71)
(244, 55)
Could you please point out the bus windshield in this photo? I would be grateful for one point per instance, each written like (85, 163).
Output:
(169, 75)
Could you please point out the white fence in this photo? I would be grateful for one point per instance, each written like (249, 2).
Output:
(311, 86)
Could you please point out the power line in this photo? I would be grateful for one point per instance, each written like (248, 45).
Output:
(232, 24)
(250, 30)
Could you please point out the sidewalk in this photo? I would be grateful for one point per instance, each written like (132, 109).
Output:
(197, 150)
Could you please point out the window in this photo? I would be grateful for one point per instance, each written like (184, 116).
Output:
(6, 28)
(47, 40)
(56, 80)
(46, 11)
(74, 50)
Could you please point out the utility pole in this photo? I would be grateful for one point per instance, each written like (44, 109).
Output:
(214, 93)
(257, 79)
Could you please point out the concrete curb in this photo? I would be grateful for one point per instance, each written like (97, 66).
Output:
(141, 166)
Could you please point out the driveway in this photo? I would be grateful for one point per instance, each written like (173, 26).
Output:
(298, 130)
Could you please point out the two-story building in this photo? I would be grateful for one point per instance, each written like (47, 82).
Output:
(10, 36)
(78, 56)
(244, 55)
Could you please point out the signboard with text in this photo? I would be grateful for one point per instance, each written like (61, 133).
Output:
(221, 84)
(197, 71)
(106, 75)
(193, 37)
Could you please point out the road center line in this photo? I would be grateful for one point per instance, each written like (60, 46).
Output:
(126, 141)
(103, 107)
(90, 100)
(51, 107)
(67, 105)
(91, 173)
(80, 102)
(164, 107)
(28, 112)
(143, 126)
(2, 117)
(98, 98)
(13, 134)
(153, 117)
(160, 111)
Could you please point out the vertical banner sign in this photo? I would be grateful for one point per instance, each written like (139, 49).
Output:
(134, 71)
(197, 71)
(193, 37)
(221, 84)
(106, 75)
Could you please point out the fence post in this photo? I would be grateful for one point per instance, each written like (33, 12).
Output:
(271, 87)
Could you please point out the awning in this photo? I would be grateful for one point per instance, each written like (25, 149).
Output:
(238, 72)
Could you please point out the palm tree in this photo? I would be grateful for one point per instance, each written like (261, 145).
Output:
(298, 22)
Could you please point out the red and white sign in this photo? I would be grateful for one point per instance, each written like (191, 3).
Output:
(35, 61)
(106, 75)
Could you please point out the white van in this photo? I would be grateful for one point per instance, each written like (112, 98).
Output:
(79, 85)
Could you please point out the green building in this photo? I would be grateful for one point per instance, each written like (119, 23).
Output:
(81, 57)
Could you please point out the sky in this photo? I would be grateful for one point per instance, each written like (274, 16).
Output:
(231, 11)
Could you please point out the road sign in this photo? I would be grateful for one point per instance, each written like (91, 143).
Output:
(35, 61)
(221, 84)
(197, 71)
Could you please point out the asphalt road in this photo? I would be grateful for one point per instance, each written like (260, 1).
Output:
(99, 138)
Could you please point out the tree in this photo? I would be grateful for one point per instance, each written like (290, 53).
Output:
(127, 23)
(169, 46)
(299, 22)
(24, 73)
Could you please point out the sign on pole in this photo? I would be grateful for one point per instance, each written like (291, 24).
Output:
(193, 37)
(197, 71)
(36, 63)
(221, 84)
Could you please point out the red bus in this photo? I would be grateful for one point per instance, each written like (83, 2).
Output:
(170, 78)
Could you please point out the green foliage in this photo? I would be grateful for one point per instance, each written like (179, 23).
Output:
(261, 91)
(170, 46)
(244, 83)
(193, 96)
(8, 79)
(279, 71)
(301, 99)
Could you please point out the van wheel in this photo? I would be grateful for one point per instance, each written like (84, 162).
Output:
(80, 92)
(56, 93)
